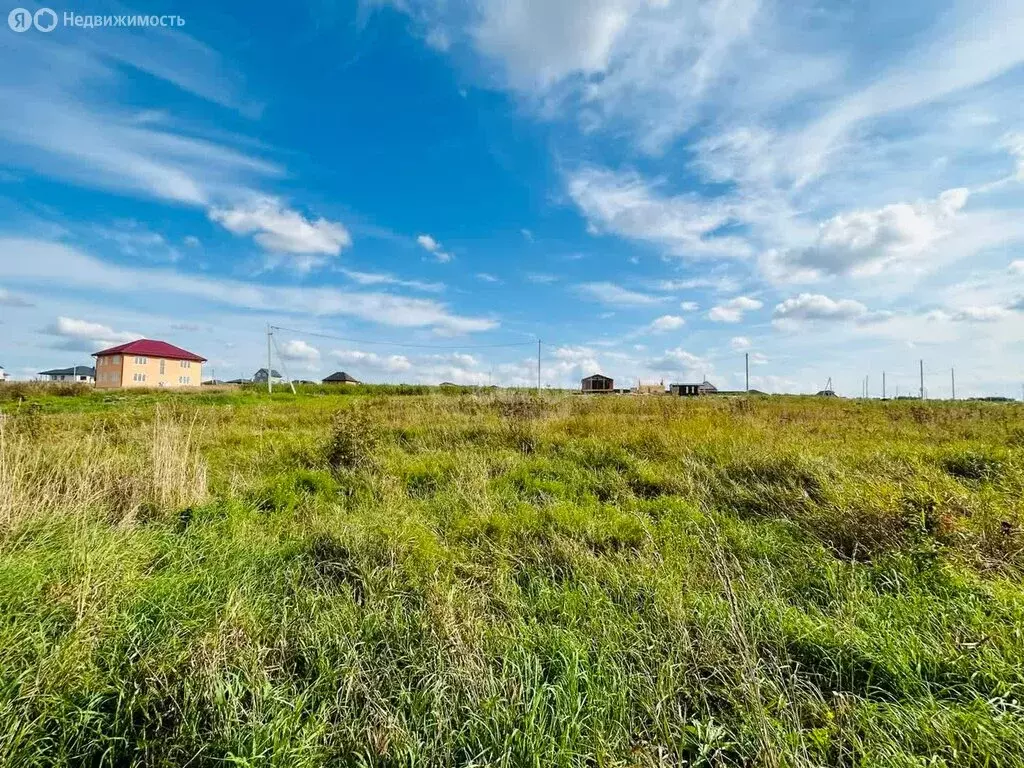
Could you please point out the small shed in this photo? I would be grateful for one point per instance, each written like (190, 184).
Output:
(598, 383)
(340, 377)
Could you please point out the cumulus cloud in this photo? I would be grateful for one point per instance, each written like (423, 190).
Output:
(689, 306)
(371, 360)
(678, 359)
(667, 323)
(279, 229)
(299, 351)
(869, 242)
(814, 307)
(615, 295)
(430, 245)
(1017, 267)
(739, 343)
(86, 336)
(733, 310)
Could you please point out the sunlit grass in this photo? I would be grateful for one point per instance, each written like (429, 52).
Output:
(493, 579)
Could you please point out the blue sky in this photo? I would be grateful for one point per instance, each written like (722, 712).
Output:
(652, 187)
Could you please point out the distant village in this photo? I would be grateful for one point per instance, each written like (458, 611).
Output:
(153, 363)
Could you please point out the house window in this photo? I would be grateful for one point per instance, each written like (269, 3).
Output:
(162, 367)
(184, 379)
(186, 364)
(138, 377)
(140, 361)
(115, 360)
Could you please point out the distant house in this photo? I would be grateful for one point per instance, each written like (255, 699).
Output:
(825, 393)
(261, 375)
(82, 374)
(693, 390)
(3, 375)
(148, 363)
(340, 377)
(598, 383)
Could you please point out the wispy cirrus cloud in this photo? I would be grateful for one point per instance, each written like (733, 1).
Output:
(54, 265)
(617, 296)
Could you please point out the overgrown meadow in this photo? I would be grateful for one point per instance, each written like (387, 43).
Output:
(399, 577)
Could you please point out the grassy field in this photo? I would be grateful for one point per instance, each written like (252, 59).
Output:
(405, 577)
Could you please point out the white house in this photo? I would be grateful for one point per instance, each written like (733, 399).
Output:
(3, 375)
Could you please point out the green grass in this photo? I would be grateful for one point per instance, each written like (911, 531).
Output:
(409, 577)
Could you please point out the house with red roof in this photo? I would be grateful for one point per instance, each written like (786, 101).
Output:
(148, 363)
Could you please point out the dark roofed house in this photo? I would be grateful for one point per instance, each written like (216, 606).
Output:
(81, 373)
(261, 375)
(598, 383)
(340, 377)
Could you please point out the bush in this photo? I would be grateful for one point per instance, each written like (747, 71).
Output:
(354, 438)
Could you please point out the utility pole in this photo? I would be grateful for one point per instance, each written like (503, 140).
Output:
(746, 362)
(538, 366)
(952, 381)
(922, 379)
(270, 378)
(883, 385)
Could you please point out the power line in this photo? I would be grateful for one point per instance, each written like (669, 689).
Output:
(404, 344)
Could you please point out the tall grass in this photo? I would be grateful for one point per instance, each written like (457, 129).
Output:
(493, 579)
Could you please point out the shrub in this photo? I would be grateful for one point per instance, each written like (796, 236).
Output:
(354, 438)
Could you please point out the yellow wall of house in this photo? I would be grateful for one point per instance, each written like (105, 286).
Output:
(114, 371)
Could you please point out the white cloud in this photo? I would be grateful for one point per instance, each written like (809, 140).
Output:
(868, 242)
(541, 278)
(540, 42)
(86, 336)
(8, 299)
(667, 323)
(281, 230)
(431, 245)
(1014, 144)
(987, 314)
(615, 295)
(723, 284)
(50, 265)
(192, 241)
(689, 306)
(1017, 267)
(678, 359)
(626, 205)
(739, 343)
(371, 360)
(487, 278)
(300, 351)
(382, 278)
(733, 310)
(67, 128)
(813, 307)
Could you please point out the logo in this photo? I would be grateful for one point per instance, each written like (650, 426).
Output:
(22, 20)
(45, 19)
